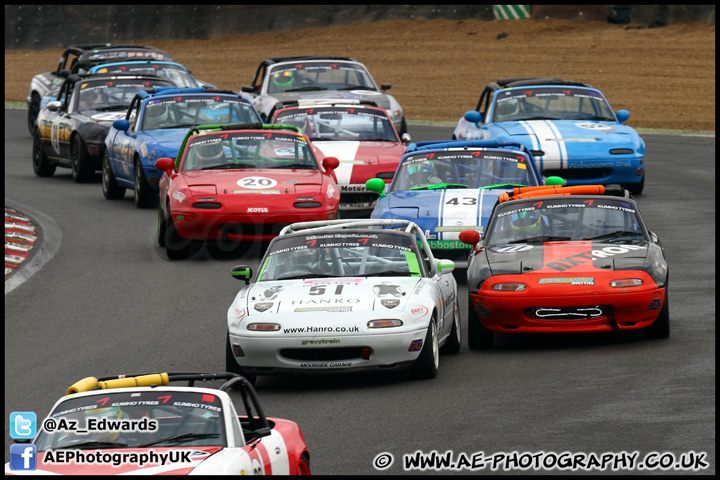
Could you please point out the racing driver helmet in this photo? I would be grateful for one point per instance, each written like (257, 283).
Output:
(156, 116)
(525, 224)
(283, 80)
(109, 414)
(209, 154)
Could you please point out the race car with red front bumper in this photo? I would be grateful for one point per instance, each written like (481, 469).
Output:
(566, 259)
(344, 295)
(140, 424)
(235, 183)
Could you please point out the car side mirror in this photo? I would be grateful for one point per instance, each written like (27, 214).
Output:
(242, 272)
(121, 124)
(622, 115)
(330, 163)
(406, 139)
(444, 266)
(376, 185)
(385, 86)
(165, 165)
(248, 89)
(473, 117)
(54, 106)
(470, 237)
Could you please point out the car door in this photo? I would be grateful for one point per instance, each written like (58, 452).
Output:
(128, 144)
(61, 126)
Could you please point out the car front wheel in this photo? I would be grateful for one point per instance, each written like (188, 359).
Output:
(82, 170)
(636, 188)
(232, 366)
(478, 335)
(111, 190)
(145, 196)
(427, 364)
(33, 110)
(452, 344)
(660, 328)
(41, 164)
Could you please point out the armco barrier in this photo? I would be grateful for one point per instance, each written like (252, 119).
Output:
(57, 26)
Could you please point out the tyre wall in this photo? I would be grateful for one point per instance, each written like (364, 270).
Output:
(57, 26)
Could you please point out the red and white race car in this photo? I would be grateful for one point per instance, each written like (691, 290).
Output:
(234, 183)
(360, 136)
(142, 425)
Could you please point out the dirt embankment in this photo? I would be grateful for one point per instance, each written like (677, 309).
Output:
(664, 76)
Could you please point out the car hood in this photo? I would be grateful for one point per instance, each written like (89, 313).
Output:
(103, 118)
(571, 138)
(195, 456)
(558, 258)
(360, 161)
(380, 99)
(374, 294)
(275, 181)
(443, 214)
(169, 139)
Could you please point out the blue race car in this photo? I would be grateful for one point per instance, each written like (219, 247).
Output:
(154, 127)
(569, 127)
(449, 186)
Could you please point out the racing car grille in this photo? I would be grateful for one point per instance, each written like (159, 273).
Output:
(340, 353)
(358, 199)
(578, 173)
(250, 229)
(569, 314)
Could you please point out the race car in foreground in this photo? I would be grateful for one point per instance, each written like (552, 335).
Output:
(71, 130)
(361, 136)
(280, 81)
(449, 186)
(569, 127)
(155, 124)
(79, 59)
(344, 295)
(140, 424)
(240, 182)
(564, 260)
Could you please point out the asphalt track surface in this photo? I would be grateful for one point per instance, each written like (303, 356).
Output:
(98, 297)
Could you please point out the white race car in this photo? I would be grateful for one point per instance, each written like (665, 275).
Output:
(142, 425)
(344, 295)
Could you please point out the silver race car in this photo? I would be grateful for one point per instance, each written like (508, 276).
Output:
(344, 295)
(281, 81)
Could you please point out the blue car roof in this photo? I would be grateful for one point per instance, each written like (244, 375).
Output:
(136, 62)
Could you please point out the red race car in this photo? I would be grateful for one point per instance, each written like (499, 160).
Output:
(234, 183)
(566, 259)
(361, 136)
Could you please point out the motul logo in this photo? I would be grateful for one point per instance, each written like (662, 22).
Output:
(257, 210)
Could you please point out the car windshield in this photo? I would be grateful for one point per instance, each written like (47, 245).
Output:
(175, 73)
(107, 94)
(188, 110)
(463, 169)
(560, 219)
(341, 254)
(550, 103)
(155, 417)
(340, 123)
(329, 75)
(250, 149)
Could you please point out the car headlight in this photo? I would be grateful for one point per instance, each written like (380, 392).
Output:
(509, 287)
(626, 282)
(264, 327)
(385, 323)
